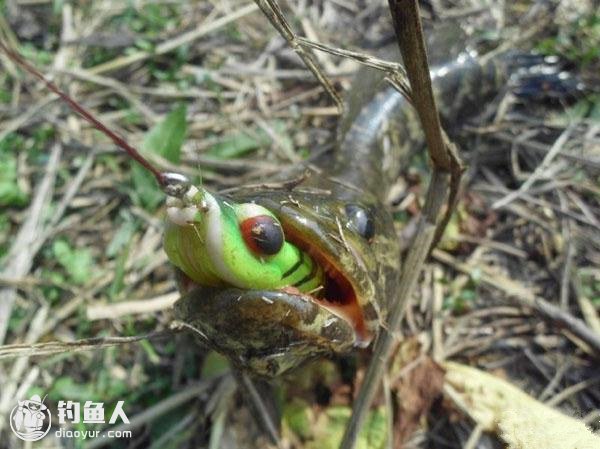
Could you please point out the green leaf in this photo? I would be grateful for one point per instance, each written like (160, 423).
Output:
(374, 432)
(119, 246)
(297, 415)
(324, 429)
(4, 235)
(165, 140)
(147, 193)
(56, 278)
(153, 356)
(35, 390)
(118, 282)
(76, 262)
(65, 388)
(587, 108)
(5, 96)
(236, 145)
(243, 142)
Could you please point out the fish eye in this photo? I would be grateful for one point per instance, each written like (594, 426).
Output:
(360, 220)
(263, 234)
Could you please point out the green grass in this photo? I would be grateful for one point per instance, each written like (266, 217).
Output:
(579, 41)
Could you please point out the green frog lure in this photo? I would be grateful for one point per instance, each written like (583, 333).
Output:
(217, 242)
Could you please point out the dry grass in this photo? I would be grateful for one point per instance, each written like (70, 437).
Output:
(526, 228)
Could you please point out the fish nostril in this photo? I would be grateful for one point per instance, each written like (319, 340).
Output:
(361, 220)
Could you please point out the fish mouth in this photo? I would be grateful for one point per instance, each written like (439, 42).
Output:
(339, 294)
(338, 300)
(271, 330)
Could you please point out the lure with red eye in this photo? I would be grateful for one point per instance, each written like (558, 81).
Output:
(262, 234)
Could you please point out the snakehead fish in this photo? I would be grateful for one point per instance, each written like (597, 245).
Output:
(333, 259)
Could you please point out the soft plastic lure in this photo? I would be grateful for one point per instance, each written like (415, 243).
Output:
(217, 242)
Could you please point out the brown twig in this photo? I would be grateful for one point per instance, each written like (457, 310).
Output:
(444, 184)
(395, 70)
(271, 10)
(85, 344)
(124, 308)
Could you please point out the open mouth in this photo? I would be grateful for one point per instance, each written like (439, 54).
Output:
(338, 295)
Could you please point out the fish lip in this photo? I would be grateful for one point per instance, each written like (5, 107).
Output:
(348, 307)
(265, 331)
(296, 299)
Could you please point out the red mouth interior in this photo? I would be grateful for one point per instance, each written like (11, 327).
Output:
(339, 295)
